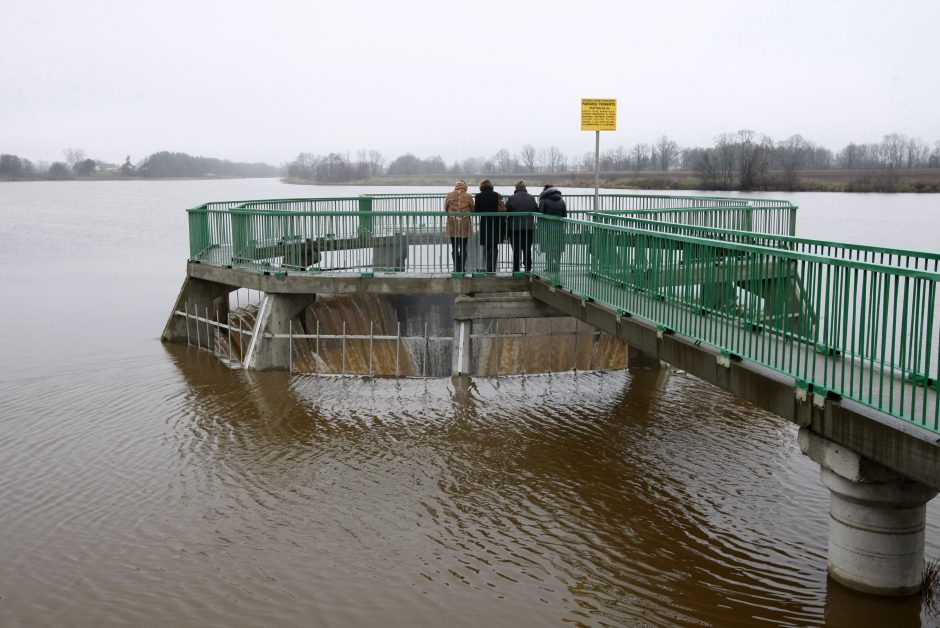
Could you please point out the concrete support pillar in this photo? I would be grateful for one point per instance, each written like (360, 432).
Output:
(876, 520)
(461, 354)
(277, 311)
(196, 296)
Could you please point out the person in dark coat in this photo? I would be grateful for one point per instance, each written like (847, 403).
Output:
(552, 232)
(520, 227)
(492, 228)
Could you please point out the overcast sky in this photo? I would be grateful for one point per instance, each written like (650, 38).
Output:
(263, 81)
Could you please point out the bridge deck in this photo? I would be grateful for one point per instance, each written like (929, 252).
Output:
(880, 386)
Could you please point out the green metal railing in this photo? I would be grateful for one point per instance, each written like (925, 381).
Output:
(215, 229)
(861, 330)
(764, 215)
(899, 258)
(851, 320)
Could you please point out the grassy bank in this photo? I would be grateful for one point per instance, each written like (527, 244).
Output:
(920, 181)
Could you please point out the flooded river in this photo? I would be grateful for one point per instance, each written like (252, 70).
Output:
(148, 484)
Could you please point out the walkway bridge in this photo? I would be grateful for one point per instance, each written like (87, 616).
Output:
(841, 339)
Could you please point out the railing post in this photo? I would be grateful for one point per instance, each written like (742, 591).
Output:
(240, 238)
(365, 215)
(198, 232)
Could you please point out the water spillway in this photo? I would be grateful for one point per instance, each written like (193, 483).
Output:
(412, 336)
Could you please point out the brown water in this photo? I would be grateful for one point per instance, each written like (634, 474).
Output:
(146, 484)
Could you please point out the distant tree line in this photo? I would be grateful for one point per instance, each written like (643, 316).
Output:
(159, 165)
(745, 160)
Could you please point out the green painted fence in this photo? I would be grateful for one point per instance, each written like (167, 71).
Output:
(851, 320)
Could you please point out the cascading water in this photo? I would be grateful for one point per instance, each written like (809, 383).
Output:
(412, 336)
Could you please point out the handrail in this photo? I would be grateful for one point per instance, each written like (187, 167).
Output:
(851, 320)
(900, 258)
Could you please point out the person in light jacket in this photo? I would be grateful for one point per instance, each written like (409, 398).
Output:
(520, 227)
(492, 228)
(458, 227)
(552, 232)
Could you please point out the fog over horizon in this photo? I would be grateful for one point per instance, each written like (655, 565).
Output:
(250, 82)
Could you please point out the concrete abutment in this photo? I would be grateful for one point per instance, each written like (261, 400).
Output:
(197, 298)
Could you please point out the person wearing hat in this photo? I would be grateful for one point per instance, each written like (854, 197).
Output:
(552, 231)
(520, 234)
(457, 228)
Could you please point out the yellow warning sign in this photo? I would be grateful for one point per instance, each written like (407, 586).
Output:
(598, 114)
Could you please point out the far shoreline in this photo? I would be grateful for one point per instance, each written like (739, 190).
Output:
(873, 181)
(924, 181)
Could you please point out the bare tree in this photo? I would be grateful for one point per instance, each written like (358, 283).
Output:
(713, 166)
(915, 152)
(666, 150)
(616, 160)
(933, 160)
(639, 156)
(753, 157)
(376, 162)
(472, 165)
(73, 156)
(792, 153)
(587, 162)
(527, 156)
(555, 160)
(503, 161)
(892, 150)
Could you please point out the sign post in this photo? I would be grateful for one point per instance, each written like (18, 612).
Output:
(598, 114)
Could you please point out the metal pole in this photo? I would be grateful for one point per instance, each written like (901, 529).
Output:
(344, 349)
(397, 351)
(316, 363)
(575, 346)
(499, 348)
(597, 166)
(228, 320)
(550, 341)
(290, 346)
(186, 309)
(522, 342)
(371, 336)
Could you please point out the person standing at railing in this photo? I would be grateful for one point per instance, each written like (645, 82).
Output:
(551, 233)
(492, 228)
(520, 234)
(458, 227)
